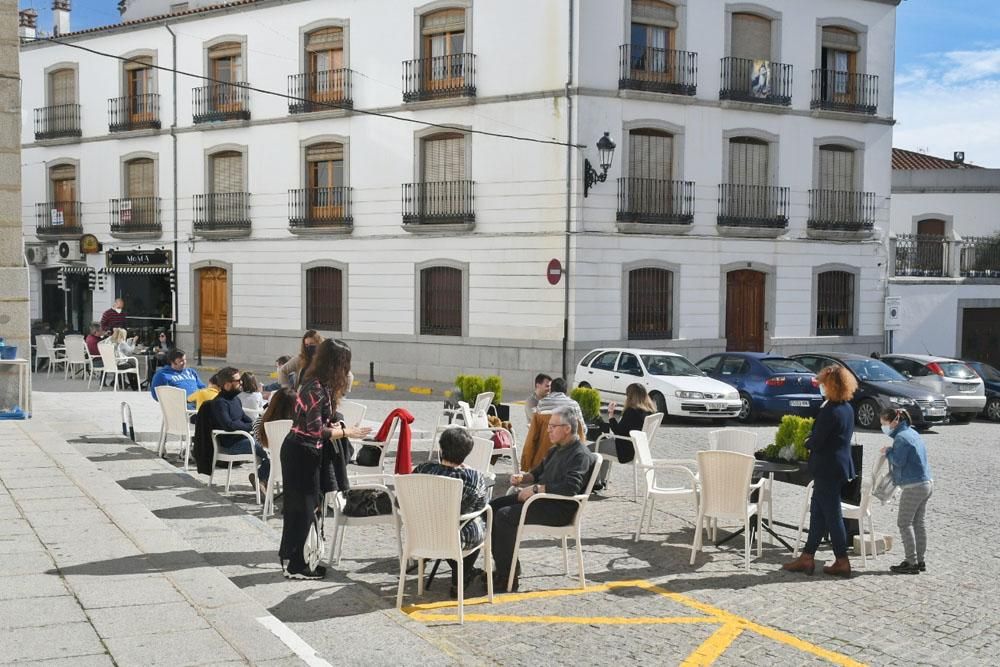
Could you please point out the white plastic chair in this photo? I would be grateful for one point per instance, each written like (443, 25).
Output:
(353, 412)
(742, 441)
(218, 456)
(479, 457)
(341, 521)
(46, 349)
(77, 358)
(655, 489)
(725, 494)
(573, 529)
(649, 427)
(859, 513)
(176, 422)
(276, 432)
(476, 416)
(430, 507)
(376, 473)
(109, 366)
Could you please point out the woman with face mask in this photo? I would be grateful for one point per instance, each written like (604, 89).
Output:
(831, 467)
(290, 373)
(908, 460)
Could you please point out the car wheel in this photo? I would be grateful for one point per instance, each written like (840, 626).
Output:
(992, 410)
(962, 418)
(867, 414)
(661, 403)
(746, 414)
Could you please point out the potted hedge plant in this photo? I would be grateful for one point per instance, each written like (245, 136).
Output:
(789, 445)
(494, 383)
(589, 401)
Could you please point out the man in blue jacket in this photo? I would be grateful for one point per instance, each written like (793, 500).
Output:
(176, 374)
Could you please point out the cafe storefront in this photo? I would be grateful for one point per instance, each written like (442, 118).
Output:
(146, 280)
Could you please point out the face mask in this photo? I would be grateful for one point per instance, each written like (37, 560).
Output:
(822, 391)
(117, 310)
(887, 430)
(310, 350)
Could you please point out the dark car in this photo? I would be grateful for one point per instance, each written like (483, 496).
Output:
(769, 385)
(991, 378)
(879, 387)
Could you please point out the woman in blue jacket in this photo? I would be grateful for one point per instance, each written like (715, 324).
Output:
(908, 458)
(831, 467)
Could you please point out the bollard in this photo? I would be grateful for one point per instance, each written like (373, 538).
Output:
(371, 371)
(127, 427)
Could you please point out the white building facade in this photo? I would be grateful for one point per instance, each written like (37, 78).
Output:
(397, 174)
(945, 245)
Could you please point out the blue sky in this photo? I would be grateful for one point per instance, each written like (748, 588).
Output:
(947, 72)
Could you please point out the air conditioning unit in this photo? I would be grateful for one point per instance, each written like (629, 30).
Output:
(37, 254)
(69, 252)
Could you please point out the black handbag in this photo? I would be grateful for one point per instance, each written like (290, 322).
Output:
(367, 502)
(369, 456)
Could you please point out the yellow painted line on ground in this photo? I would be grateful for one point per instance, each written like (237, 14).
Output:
(384, 386)
(712, 648)
(568, 620)
(425, 391)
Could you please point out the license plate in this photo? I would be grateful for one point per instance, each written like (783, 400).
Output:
(716, 406)
(967, 388)
(936, 411)
(799, 404)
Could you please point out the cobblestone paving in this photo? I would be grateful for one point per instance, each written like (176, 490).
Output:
(945, 616)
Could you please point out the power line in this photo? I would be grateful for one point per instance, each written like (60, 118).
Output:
(286, 96)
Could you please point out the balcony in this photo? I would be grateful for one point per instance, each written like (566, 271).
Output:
(135, 217)
(752, 210)
(924, 256)
(980, 257)
(221, 102)
(320, 211)
(438, 205)
(439, 77)
(841, 214)
(844, 91)
(654, 205)
(57, 122)
(134, 112)
(58, 220)
(657, 70)
(222, 214)
(771, 83)
(320, 91)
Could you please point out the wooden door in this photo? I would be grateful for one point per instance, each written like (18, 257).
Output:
(140, 85)
(931, 247)
(745, 311)
(213, 312)
(64, 193)
(980, 333)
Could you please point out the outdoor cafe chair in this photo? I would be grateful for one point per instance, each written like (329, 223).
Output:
(276, 432)
(742, 442)
(110, 366)
(430, 506)
(337, 501)
(45, 348)
(176, 421)
(352, 411)
(685, 490)
(219, 456)
(77, 358)
(649, 428)
(726, 490)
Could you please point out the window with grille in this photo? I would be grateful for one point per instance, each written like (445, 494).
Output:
(650, 304)
(835, 304)
(441, 301)
(324, 298)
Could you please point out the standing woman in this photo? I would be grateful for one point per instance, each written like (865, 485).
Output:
(831, 468)
(908, 458)
(290, 373)
(322, 385)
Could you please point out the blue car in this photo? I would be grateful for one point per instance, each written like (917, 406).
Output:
(769, 385)
(991, 378)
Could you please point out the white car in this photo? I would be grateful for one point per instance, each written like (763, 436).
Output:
(675, 385)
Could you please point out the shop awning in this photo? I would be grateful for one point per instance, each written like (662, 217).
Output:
(139, 269)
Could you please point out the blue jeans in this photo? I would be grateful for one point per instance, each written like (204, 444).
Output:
(237, 444)
(825, 516)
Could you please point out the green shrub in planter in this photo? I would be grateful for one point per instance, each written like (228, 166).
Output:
(794, 431)
(495, 384)
(470, 386)
(589, 401)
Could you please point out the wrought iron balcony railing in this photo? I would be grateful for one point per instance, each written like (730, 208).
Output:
(657, 70)
(58, 218)
(841, 210)
(62, 120)
(134, 112)
(655, 201)
(761, 206)
(221, 101)
(980, 257)
(921, 255)
(438, 202)
(319, 91)
(833, 90)
(439, 77)
(135, 215)
(222, 212)
(315, 208)
(763, 82)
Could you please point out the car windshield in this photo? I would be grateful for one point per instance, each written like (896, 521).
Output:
(662, 364)
(784, 366)
(955, 369)
(988, 372)
(873, 370)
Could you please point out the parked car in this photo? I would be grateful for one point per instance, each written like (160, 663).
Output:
(879, 387)
(674, 384)
(991, 378)
(962, 387)
(769, 385)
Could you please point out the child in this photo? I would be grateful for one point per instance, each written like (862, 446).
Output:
(205, 394)
(250, 396)
(910, 472)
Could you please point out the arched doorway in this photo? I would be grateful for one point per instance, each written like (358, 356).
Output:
(745, 310)
(213, 312)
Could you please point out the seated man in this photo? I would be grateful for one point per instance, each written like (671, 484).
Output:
(563, 471)
(542, 385)
(557, 397)
(456, 444)
(177, 374)
(225, 413)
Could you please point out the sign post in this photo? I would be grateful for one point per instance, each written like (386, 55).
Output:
(554, 272)
(893, 317)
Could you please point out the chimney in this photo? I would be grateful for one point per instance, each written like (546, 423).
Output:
(959, 157)
(27, 21)
(60, 17)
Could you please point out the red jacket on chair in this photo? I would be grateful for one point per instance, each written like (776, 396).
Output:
(403, 462)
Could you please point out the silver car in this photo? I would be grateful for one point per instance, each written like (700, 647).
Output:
(962, 387)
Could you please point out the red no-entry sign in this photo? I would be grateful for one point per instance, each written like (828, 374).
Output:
(554, 272)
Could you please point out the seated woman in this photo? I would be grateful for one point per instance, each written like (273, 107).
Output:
(456, 444)
(119, 337)
(282, 406)
(638, 406)
(250, 394)
(162, 348)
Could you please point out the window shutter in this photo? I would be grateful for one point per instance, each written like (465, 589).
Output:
(840, 39)
(749, 162)
(63, 172)
(446, 20)
(227, 172)
(226, 50)
(751, 37)
(325, 152)
(63, 87)
(444, 158)
(836, 168)
(651, 154)
(139, 178)
(142, 62)
(324, 298)
(652, 12)
(325, 39)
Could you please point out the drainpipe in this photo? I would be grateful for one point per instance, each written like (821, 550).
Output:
(173, 140)
(569, 189)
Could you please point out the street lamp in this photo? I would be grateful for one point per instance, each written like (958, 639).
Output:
(606, 151)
